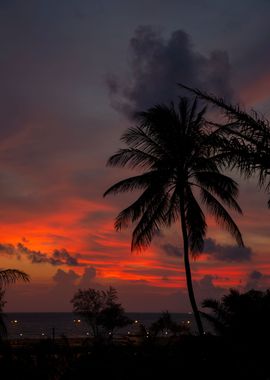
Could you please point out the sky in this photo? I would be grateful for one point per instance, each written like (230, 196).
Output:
(72, 73)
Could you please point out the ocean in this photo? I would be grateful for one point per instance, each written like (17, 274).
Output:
(43, 325)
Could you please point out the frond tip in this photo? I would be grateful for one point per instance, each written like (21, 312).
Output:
(10, 276)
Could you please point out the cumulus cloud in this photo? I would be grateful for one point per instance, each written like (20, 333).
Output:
(73, 279)
(229, 253)
(88, 277)
(257, 280)
(58, 256)
(156, 66)
(205, 288)
(65, 278)
(255, 275)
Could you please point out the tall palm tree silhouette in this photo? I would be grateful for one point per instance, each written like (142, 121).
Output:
(174, 149)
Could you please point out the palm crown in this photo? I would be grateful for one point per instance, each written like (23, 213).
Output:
(176, 153)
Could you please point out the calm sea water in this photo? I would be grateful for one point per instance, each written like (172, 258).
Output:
(41, 325)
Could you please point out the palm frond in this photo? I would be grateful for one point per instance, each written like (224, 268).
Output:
(133, 212)
(245, 120)
(224, 187)
(221, 215)
(150, 223)
(138, 138)
(131, 158)
(133, 183)
(9, 276)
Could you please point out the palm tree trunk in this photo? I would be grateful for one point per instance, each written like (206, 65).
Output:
(188, 271)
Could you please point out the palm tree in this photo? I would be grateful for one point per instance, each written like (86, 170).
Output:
(174, 150)
(248, 139)
(8, 276)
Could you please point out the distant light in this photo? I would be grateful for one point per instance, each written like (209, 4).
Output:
(42, 334)
(21, 334)
(188, 322)
(128, 332)
(87, 333)
(136, 321)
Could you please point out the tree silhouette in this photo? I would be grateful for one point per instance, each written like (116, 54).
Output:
(176, 150)
(166, 325)
(247, 137)
(8, 276)
(100, 310)
(242, 316)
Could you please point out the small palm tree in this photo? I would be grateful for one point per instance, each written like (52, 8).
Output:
(176, 153)
(8, 276)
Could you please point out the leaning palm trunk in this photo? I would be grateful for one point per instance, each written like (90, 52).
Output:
(188, 271)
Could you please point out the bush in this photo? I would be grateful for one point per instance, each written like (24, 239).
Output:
(100, 310)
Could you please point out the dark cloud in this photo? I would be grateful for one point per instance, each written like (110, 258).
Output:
(257, 280)
(255, 275)
(9, 249)
(87, 278)
(157, 65)
(58, 257)
(65, 278)
(73, 279)
(205, 288)
(227, 252)
(172, 250)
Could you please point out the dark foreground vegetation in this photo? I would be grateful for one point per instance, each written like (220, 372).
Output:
(187, 357)
(236, 349)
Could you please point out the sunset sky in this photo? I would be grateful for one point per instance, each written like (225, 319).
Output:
(72, 72)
